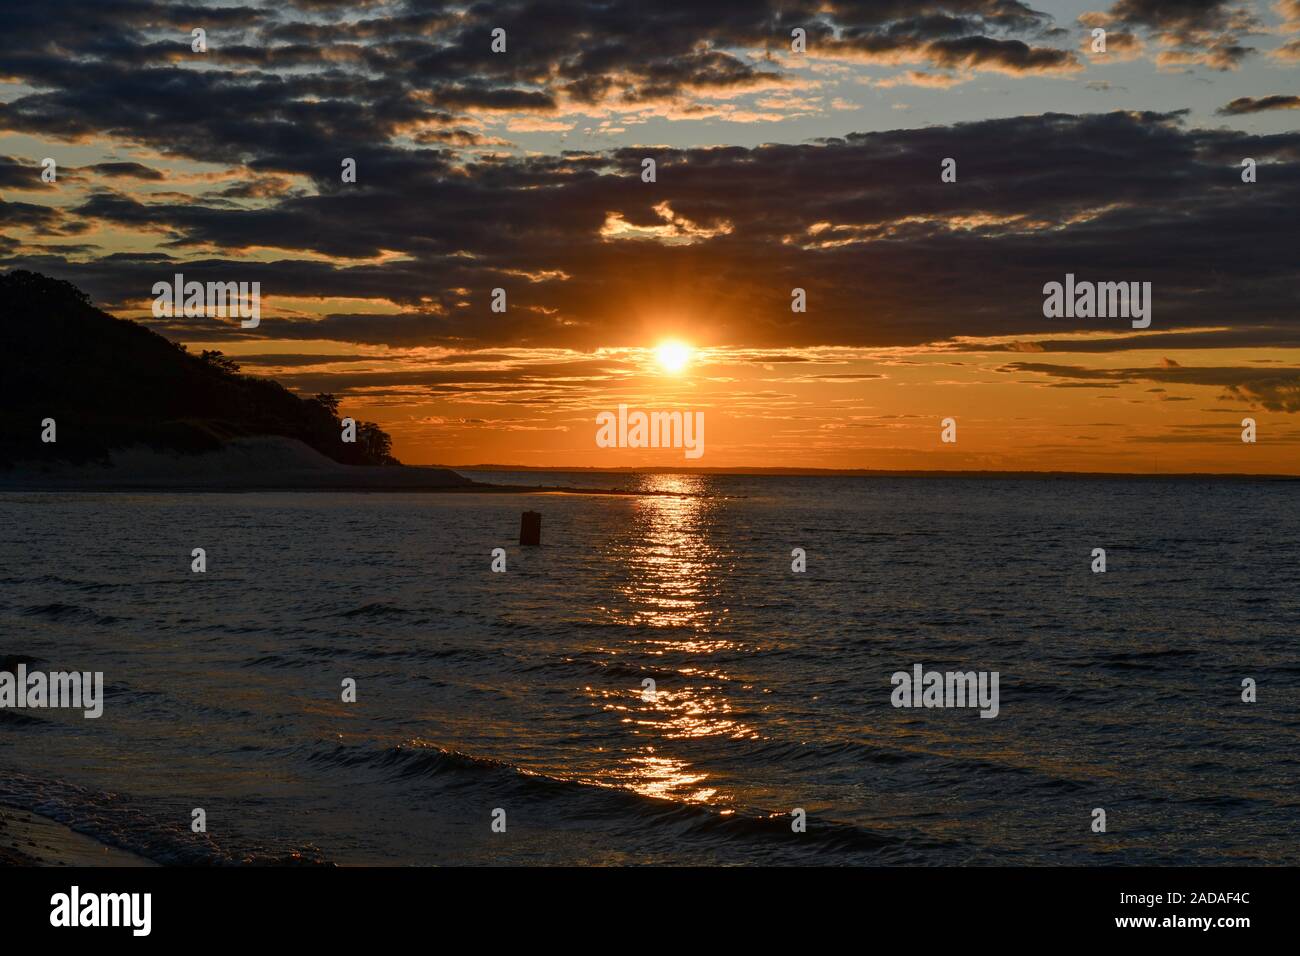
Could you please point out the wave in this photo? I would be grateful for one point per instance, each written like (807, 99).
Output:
(758, 834)
(117, 820)
(376, 609)
(57, 611)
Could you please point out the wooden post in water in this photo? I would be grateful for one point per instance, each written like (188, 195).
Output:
(530, 528)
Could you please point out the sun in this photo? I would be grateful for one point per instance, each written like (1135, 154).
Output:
(674, 356)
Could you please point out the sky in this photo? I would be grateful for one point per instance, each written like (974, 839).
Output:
(775, 169)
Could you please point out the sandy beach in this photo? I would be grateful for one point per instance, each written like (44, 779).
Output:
(27, 839)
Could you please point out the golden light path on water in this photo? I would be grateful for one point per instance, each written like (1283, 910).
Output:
(673, 585)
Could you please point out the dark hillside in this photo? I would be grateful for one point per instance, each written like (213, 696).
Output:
(111, 383)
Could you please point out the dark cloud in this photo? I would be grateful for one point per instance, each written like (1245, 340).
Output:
(1176, 14)
(260, 187)
(1013, 55)
(1238, 336)
(277, 80)
(1123, 44)
(1276, 390)
(1250, 104)
(20, 174)
(589, 254)
(126, 171)
(1193, 32)
(292, 359)
(43, 219)
(888, 254)
(538, 383)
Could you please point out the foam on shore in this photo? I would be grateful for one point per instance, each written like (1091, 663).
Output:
(27, 839)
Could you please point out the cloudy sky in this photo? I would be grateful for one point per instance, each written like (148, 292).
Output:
(775, 170)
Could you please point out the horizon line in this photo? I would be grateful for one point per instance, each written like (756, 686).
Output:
(758, 470)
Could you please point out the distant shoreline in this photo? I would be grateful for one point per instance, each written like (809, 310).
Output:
(470, 489)
(757, 472)
(273, 463)
(255, 464)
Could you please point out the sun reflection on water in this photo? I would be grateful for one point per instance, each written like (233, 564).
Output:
(672, 590)
(671, 560)
(665, 778)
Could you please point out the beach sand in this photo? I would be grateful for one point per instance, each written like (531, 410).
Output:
(27, 839)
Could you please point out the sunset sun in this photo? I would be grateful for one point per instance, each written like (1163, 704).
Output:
(673, 356)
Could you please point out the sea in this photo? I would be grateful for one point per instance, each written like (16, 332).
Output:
(655, 683)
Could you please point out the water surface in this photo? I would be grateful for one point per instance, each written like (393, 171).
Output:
(524, 690)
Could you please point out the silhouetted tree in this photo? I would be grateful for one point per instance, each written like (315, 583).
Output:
(376, 442)
(219, 361)
(329, 402)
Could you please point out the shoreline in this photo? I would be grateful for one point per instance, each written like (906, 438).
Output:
(29, 839)
(261, 464)
(234, 488)
(757, 472)
(269, 463)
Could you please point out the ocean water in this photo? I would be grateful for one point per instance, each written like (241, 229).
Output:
(523, 691)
